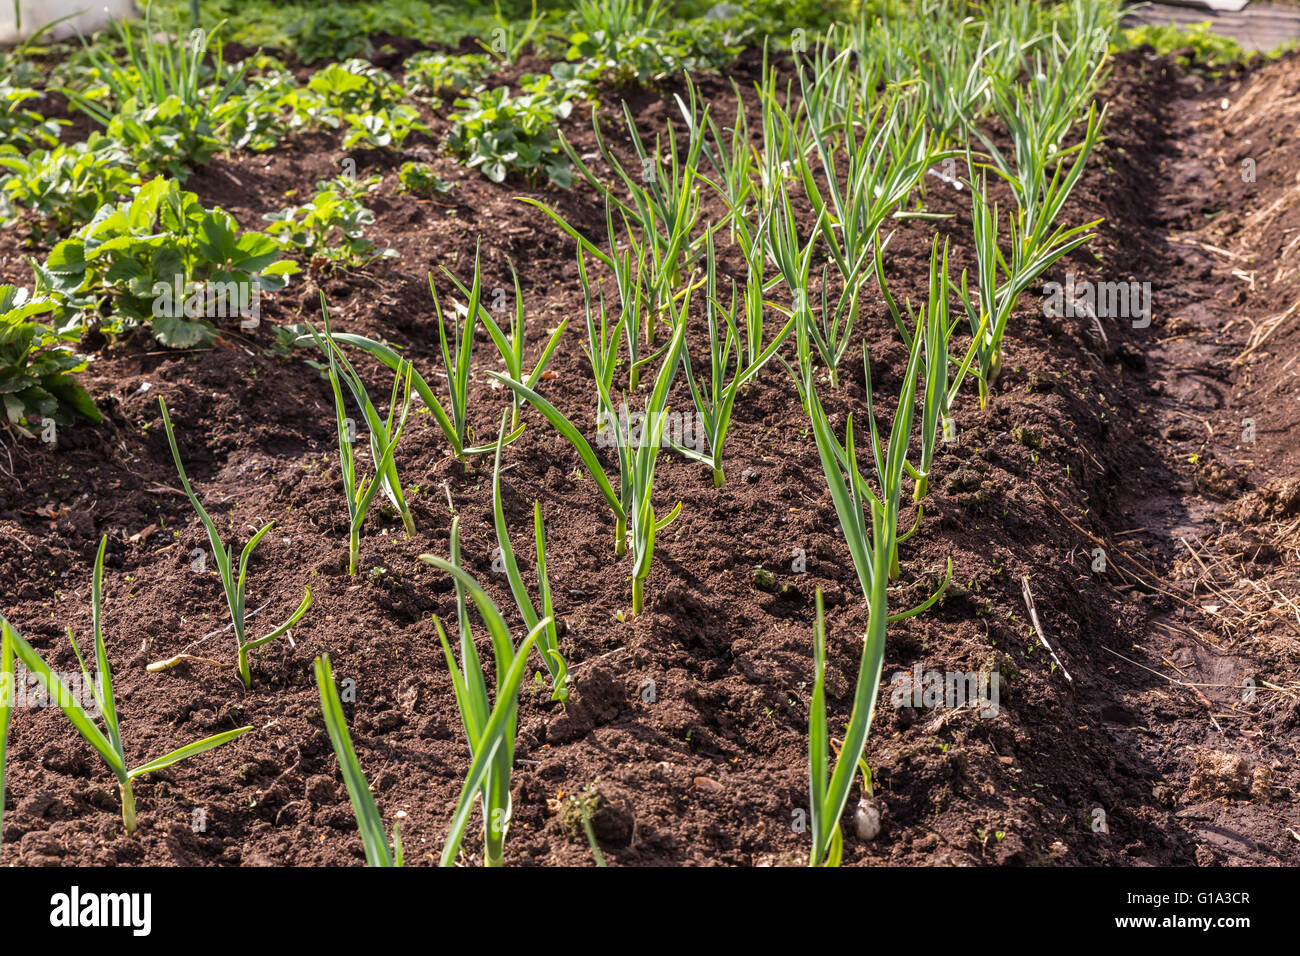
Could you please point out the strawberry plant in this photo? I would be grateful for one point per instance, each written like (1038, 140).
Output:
(161, 259)
(331, 32)
(23, 127)
(328, 230)
(420, 179)
(635, 42)
(500, 133)
(65, 185)
(164, 138)
(354, 86)
(428, 74)
(386, 126)
(260, 115)
(354, 95)
(37, 367)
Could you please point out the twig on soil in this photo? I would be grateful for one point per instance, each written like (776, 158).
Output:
(1194, 688)
(1116, 552)
(1206, 246)
(9, 472)
(1272, 326)
(184, 655)
(22, 542)
(1175, 680)
(158, 488)
(617, 650)
(158, 667)
(1098, 330)
(1033, 616)
(1202, 421)
(1206, 701)
(232, 177)
(1206, 571)
(1291, 245)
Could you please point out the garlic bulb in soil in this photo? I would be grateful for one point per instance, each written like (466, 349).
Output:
(866, 819)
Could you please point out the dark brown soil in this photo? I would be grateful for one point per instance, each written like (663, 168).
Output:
(1130, 446)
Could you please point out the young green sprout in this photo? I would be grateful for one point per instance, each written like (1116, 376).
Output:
(548, 641)
(369, 822)
(793, 260)
(831, 87)
(457, 355)
(458, 360)
(948, 54)
(732, 161)
(886, 162)
(510, 347)
(615, 18)
(597, 471)
(1039, 115)
(716, 404)
(749, 225)
(489, 726)
(629, 268)
(107, 742)
(602, 339)
(633, 511)
(637, 459)
(454, 424)
(782, 145)
(936, 331)
(874, 553)
(664, 203)
(824, 815)
(827, 791)
(778, 233)
(995, 302)
(234, 587)
(643, 523)
(511, 35)
(383, 436)
(634, 301)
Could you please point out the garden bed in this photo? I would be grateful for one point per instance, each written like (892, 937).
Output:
(691, 719)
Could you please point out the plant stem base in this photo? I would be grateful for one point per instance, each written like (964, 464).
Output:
(128, 806)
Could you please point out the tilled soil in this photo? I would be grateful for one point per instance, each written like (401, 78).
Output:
(690, 720)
